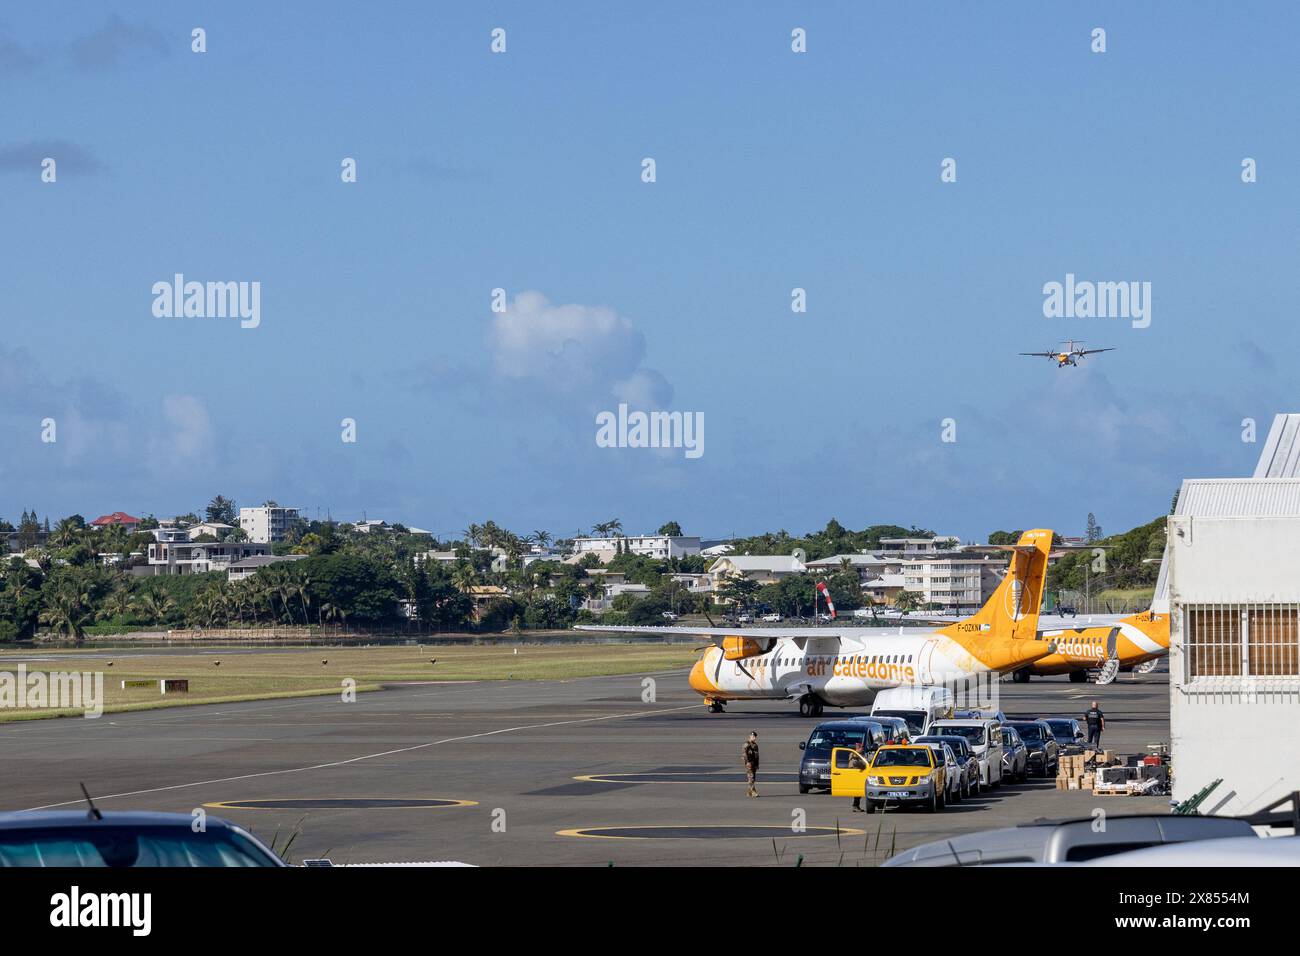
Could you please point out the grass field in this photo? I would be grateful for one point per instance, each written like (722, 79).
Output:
(322, 670)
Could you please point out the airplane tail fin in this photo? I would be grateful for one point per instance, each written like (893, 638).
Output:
(1012, 610)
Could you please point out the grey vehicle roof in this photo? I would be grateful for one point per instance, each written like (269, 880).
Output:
(1049, 841)
(54, 819)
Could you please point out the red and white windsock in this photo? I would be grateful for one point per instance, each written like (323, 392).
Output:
(826, 593)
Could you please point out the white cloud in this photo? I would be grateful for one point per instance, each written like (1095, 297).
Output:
(588, 352)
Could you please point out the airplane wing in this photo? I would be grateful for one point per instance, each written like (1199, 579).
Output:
(1041, 354)
(1092, 351)
(718, 632)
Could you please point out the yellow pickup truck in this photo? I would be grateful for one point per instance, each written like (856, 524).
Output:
(895, 773)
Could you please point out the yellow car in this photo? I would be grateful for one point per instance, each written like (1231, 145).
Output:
(895, 773)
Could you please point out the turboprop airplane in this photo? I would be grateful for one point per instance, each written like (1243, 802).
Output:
(1070, 355)
(1118, 644)
(847, 667)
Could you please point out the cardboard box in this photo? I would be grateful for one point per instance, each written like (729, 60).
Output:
(1074, 783)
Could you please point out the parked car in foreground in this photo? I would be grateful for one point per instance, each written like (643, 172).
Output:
(1043, 750)
(896, 773)
(984, 734)
(968, 764)
(1015, 756)
(957, 785)
(815, 766)
(1066, 730)
(1080, 841)
(74, 838)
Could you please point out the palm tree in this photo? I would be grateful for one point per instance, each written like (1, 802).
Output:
(65, 533)
(302, 587)
(119, 601)
(66, 612)
(464, 577)
(154, 606)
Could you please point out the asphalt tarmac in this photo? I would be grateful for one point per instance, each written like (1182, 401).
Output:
(590, 771)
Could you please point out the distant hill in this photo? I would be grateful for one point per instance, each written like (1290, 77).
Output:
(1132, 560)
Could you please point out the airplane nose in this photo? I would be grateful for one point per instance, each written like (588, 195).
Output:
(699, 680)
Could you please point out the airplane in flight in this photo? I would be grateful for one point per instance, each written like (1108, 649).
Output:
(847, 667)
(1110, 645)
(1070, 356)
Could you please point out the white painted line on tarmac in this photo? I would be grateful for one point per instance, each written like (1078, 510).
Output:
(385, 753)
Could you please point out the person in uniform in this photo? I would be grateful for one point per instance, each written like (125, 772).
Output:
(1096, 724)
(749, 753)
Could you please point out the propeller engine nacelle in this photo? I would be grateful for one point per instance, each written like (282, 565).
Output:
(739, 648)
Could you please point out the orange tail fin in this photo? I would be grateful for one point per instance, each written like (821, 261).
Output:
(1012, 610)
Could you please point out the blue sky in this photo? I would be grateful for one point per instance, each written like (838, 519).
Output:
(522, 171)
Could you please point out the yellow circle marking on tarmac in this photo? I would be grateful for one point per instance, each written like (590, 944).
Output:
(706, 831)
(342, 803)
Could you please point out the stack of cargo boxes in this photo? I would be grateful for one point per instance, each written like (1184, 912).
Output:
(1079, 771)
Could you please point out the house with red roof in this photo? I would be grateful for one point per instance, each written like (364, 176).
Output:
(119, 518)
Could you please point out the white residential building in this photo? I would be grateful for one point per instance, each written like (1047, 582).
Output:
(169, 555)
(264, 524)
(943, 542)
(951, 580)
(763, 568)
(247, 567)
(214, 528)
(648, 545)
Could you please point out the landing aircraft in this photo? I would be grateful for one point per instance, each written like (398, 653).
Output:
(847, 667)
(1128, 643)
(1070, 356)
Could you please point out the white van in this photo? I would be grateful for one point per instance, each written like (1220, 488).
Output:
(919, 706)
(984, 734)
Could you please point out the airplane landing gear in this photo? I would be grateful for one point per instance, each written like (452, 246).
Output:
(810, 706)
(716, 706)
(1021, 676)
(1078, 677)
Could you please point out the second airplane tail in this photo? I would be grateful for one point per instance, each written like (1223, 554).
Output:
(1012, 610)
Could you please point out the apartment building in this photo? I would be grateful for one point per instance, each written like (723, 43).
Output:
(648, 545)
(951, 580)
(267, 524)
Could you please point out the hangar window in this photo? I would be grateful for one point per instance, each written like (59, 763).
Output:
(1232, 640)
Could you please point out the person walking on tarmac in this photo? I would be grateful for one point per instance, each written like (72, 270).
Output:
(859, 761)
(749, 753)
(1096, 724)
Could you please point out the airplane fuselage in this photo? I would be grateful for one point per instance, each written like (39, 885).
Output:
(851, 670)
(1134, 640)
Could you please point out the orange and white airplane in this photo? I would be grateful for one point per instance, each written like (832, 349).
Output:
(1119, 644)
(1069, 356)
(847, 667)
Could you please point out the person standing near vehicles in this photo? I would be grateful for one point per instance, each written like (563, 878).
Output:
(1096, 724)
(859, 759)
(749, 753)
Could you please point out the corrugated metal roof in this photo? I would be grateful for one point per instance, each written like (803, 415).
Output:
(1280, 457)
(1239, 497)
(1273, 492)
